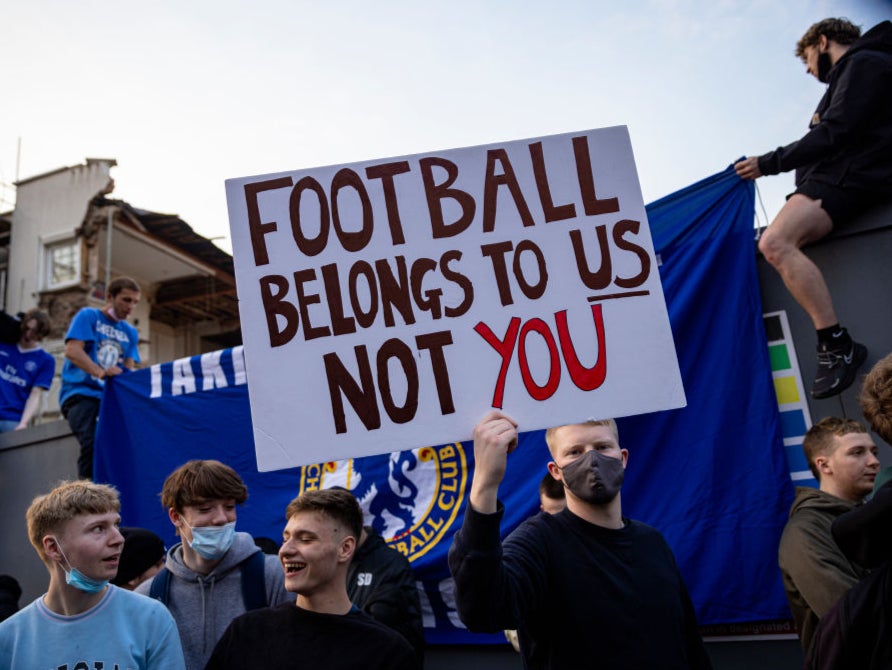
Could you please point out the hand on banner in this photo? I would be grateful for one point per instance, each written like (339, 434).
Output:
(748, 168)
(494, 438)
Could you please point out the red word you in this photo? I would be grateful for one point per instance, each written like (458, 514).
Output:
(515, 337)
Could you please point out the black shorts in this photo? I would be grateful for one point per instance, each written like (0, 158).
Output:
(841, 204)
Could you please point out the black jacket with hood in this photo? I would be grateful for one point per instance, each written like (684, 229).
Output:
(849, 142)
(380, 582)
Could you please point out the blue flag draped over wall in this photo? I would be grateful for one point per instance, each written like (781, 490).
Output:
(711, 476)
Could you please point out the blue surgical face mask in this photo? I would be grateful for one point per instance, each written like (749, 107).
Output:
(212, 542)
(78, 579)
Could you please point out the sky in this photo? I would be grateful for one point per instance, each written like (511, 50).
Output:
(184, 95)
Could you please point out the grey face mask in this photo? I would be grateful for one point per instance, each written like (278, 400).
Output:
(594, 477)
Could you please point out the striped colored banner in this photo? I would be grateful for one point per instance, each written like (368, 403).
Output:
(791, 398)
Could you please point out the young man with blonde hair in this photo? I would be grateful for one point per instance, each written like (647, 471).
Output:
(583, 587)
(815, 572)
(843, 167)
(82, 620)
(324, 629)
(215, 573)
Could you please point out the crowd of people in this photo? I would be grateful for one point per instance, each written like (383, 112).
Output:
(116, 598)
(577, 583)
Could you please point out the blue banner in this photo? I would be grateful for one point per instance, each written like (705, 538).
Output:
(711, 476)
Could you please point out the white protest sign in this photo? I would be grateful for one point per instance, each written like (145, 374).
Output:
(388, 304)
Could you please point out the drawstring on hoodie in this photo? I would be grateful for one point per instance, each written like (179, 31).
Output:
(204, 614)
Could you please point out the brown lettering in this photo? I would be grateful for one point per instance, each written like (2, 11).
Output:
(590, 201)
(434, 343)
(340, 324)
(397, 349)
(255, 225)
(386, 172)
(395, 292)
(436, 193)
(601, 278)
(309, 246)
(551, 212)
(491, 185)
(619, 231)
(351, 241)
(273, 289)
(306, 299)
(361, 396)
(362, 269)
(457, 278)
(496, 252)
(531, 291)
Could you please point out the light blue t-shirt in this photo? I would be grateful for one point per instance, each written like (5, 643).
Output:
(124, 630)
(106, 341)
(20, 371)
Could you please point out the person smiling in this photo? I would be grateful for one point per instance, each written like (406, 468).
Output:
(82, 620)
(324, 629)
(215, 573)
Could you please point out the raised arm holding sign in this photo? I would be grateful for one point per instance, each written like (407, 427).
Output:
(560, 577)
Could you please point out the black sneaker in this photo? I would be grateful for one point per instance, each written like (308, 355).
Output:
(836, 370)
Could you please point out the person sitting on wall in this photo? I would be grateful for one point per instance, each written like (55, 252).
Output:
(843, 167)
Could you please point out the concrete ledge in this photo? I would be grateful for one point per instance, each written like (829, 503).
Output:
(45, 432)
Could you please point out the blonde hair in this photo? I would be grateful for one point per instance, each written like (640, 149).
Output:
(48, 512)
(610, 423)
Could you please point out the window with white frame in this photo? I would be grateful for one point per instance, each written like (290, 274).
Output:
(62, 260)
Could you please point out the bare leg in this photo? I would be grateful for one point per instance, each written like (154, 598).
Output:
(800, 221)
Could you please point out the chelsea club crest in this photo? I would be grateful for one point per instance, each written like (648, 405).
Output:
(410, 497)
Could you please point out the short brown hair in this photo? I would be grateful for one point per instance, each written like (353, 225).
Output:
(119, 284)
(336, 503)
(610, 423)
(841, 31)
(197, 481)
(876, 398)
(820, 440)
(69, 499)
(43, 321)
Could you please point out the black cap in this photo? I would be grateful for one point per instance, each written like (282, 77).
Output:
(142, 549)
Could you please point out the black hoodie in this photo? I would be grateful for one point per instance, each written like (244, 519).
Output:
(849, 142)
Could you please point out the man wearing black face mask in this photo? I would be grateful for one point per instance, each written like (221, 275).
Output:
(843, 167)
(585, 583)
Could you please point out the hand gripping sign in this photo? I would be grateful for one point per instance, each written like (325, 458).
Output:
(387, 304)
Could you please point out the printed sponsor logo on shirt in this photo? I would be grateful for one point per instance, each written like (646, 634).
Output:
(109, 354)
(410, 497)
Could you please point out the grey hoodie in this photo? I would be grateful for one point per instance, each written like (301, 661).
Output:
(203, 605)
